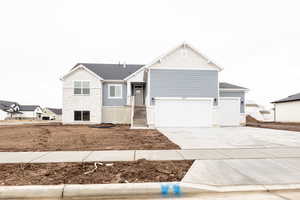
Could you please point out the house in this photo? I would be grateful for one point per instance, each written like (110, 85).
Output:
(7, 107)
(28, 112)
(52, 114)
(268, 115)
(179, 89)
(287, 109)
(253, 109)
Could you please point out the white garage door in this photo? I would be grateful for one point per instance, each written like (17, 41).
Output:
(229, 111)
(183, 112)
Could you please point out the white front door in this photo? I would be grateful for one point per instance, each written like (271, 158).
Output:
(183, 112)
(139, 95)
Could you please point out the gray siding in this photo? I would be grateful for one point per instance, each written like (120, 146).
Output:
(183, 83)
(114, 102)
(235, 94)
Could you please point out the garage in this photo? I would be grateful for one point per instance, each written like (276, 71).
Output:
(229, 111)
(183, 112)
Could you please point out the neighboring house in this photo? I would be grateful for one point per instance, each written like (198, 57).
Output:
(29, 112)
(6, 108)
(253, 109)
(179, 89)
(268, 115)
(52, 114)
(259, 112)
(288, 109)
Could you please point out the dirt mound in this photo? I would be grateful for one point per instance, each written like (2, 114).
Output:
(250, 119)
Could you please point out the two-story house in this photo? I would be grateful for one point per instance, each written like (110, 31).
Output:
(179, 89)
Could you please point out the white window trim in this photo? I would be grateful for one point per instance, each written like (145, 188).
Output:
(116, 85)
(81, 87)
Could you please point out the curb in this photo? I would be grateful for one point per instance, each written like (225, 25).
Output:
(167, 189)
(31, 191)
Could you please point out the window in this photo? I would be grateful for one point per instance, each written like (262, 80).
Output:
(81, 115)
(115, 91)
(81, 87)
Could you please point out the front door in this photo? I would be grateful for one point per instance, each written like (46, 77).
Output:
(139, 95)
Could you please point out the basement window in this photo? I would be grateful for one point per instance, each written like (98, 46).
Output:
(82, 115)
(115, 91)
(81, 87)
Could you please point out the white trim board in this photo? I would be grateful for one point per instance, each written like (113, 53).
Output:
(184, 68)
(78, 67)
(116, 85)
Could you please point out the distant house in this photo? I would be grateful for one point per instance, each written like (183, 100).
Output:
(6, 107)
(288, 109)
(29, 112)
(259, 112)
(253, 109)
(52, 114)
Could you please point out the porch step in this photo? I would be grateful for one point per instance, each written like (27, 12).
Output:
(140, 117)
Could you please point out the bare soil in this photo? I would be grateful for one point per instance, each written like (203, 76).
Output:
(250, 121)
(80, 137)
(82, 173)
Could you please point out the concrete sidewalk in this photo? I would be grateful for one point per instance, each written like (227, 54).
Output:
(131, 155)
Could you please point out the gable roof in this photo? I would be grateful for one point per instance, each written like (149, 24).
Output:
(224, 85)
(112, 71)
(294, 97)
(4, 105)
(57, 111)
(28, 107)
(170, 52)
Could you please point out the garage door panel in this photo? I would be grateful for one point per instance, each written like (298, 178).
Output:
(229, 111)
(183, 113)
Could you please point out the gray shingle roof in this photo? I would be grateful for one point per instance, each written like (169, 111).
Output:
(112, 71)
(225, 85)
(28, 107)
(294, 97)
(4, 105)
(57, 111)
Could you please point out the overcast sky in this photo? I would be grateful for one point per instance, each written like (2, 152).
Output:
(257, 42)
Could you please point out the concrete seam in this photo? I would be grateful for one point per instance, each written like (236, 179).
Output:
(84, 158)
(63, 191)
(134, 155)
(39, 157)
(181, 155)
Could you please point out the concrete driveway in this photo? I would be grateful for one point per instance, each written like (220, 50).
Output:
(231, 137)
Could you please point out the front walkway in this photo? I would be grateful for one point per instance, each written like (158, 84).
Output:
(131, 155)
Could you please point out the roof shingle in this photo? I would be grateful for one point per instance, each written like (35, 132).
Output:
(294, 97)
(225, 85)
(28, 107)
(112, 71)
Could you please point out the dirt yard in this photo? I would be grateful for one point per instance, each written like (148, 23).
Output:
(82, 173)
(78, 137)
(250, 121)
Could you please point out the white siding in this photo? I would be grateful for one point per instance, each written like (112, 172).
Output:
(3, 115)
(92, 102)
(287, 112)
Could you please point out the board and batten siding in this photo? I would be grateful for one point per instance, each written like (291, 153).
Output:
(240, 94)
(183, 83)
(114, 102)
